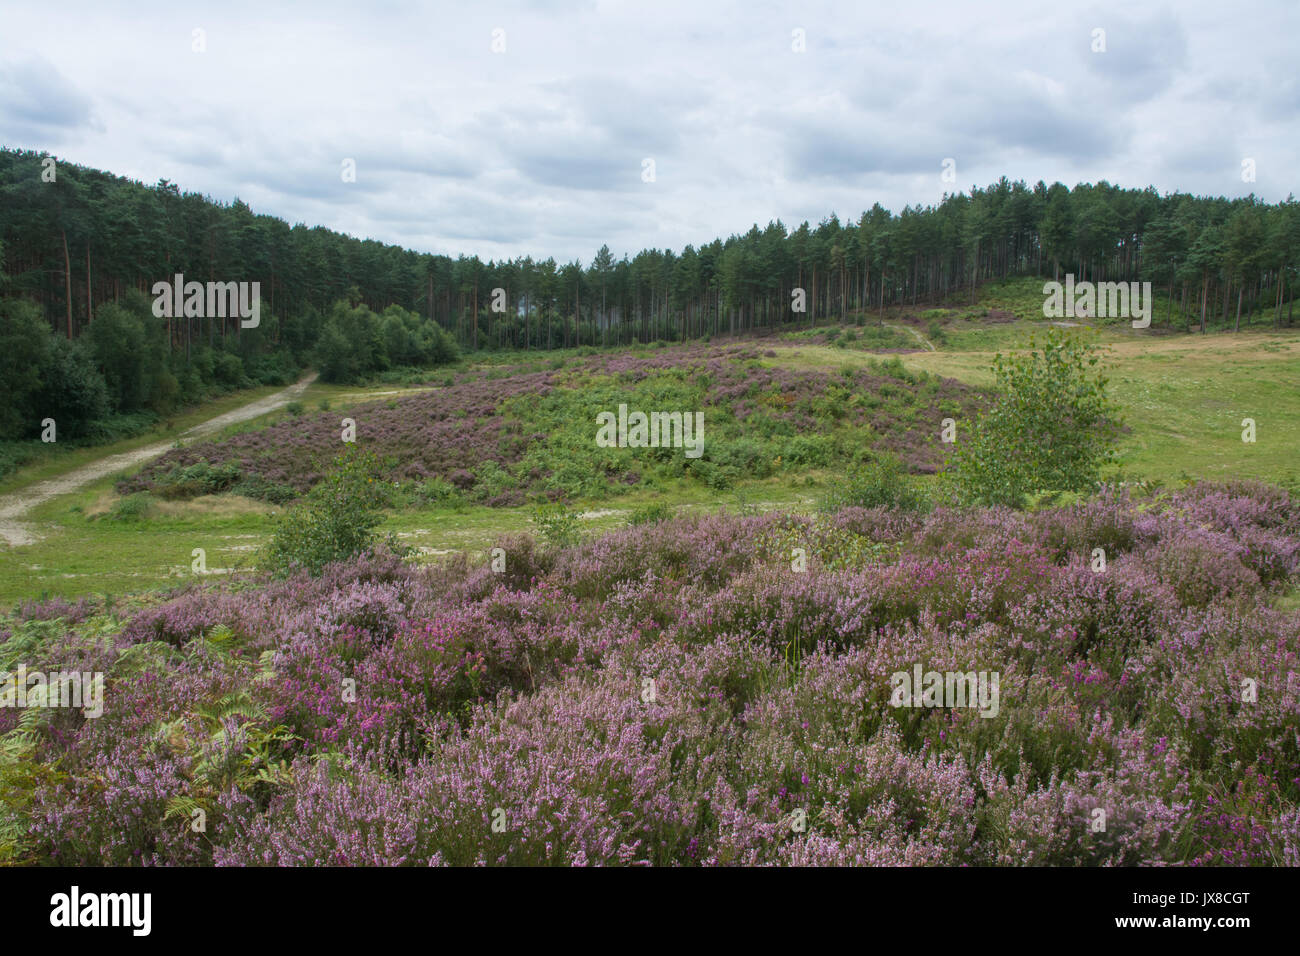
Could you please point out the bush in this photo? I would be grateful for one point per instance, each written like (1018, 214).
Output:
(747, 457)
(72, 391)
(654, 513)
(201, 478)
(881, 483)
(717, 477)
(131, 508)
(262, 489)
(336, 520)
(1052, 428)
(438, 490)
(559, 524)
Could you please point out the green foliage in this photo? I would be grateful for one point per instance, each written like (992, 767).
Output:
(201, 478)
(335, 521)
(491, 480)
(559, 524)
(260, 489)
(717, 477)
(438, 491)
(117, 340)
(653, 513)
(131, 508)
(1052, 427)
(356, 344)
(882, 482)
(822, 543)
(24, 350)
(204, 478)
(350, 346)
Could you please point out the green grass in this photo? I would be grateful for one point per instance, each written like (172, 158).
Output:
(79, 555)
(1182, 396)
(82, 555)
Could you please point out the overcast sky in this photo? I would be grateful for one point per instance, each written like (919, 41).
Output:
(541, 148)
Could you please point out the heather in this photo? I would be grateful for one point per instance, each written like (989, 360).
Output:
(705, 690)
(503, 435)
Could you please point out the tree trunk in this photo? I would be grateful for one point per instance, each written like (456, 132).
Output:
(88, 283)
(1205, 288)
(812, 313)
(67, 281)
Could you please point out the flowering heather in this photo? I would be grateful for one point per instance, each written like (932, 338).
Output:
(683, 694)
(498, 437)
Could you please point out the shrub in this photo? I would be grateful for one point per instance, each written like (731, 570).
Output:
(1052, 427)
(559, 524)
(336, 520)
(201, 478)
(262, 489)
(131, 508)
(717, 477)
(438, 490)
(880, 483)
(651, 514)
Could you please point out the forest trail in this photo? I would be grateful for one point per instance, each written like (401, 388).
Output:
(16, 505)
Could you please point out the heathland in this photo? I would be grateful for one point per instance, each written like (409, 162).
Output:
(414, 612)
(694, 666)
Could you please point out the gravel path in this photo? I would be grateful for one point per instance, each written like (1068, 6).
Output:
(15, 506)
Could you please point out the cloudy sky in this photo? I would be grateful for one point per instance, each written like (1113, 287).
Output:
(543, 145)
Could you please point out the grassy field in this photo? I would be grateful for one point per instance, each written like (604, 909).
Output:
(1183, 398)
(87, 551)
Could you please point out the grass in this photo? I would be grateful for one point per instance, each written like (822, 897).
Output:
(1183, 397)
(85, 551)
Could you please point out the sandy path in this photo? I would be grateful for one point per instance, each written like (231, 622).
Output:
(15, 506)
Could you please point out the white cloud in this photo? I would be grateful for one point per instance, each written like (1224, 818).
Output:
(538, 150)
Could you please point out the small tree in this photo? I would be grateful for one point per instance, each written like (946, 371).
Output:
(1052, 427)
(559, 524)
(334, 522)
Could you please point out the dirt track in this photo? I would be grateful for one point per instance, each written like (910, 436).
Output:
(15, 506)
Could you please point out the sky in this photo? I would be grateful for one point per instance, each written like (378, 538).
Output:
(547, 129)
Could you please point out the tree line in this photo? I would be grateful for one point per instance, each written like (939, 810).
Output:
(88, 238)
